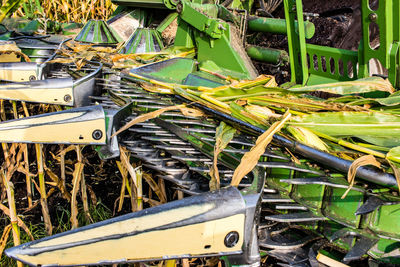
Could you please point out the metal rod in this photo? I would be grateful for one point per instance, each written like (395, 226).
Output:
(370, 174)
(277, 26)
(270, 55)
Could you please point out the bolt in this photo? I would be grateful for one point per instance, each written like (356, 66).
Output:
(32, 77)
(179, 8)
(231, 239)
(97, 134)
(67, 98)
(373, 17)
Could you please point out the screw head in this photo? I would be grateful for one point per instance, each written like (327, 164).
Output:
(32, 78)
(231, 239)
(97, 134)
(67, 98)
(373, 17)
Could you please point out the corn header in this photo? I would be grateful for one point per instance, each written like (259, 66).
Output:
(198, 114)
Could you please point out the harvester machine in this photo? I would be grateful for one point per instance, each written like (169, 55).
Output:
(299, 212)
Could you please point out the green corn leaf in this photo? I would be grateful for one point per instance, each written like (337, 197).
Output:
(231, 94)
(236, 111)
(365, 85)
(377, 128)
(394, 154)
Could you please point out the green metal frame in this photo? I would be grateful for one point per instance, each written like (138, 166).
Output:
(314, 64)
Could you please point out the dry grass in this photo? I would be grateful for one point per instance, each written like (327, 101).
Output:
(67, 10)
(47, 174)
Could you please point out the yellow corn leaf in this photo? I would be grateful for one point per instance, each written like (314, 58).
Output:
(4, 238)
(125, 65)
(145, 117)
(271, 83)
(396, 172)
(262, 112)
(191, 112)
(156, 89)
(250, 159)
(59, 184)
(254, 117)
(307, 137)
(78, 47)
(8, 47)
(77, 175)
(117, 57)
(224, 134)
(151, 202)
(61, 60)
(262, 79)
(214, 101)
(127, 165)
(124, 172)
(327, 261)
(125, 181)
(154, 186)
(139, 191)
(351, 174)
(102, 49)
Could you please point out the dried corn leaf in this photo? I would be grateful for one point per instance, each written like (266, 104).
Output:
(224, 134)
(396, 171)
(191, 112)
(151, 202)
(139, 187)
(156, 88)
(117, 57)
(4, 238)
(77, 175)
(147, 116)
(42, 189)
(250, 159)
(20, 222)
(10, 47)
(62, 60)
(351, 174)
(59, 184)
(125, 181)
(154, 186)
(78, 47)
(124, 156)
(13, 210)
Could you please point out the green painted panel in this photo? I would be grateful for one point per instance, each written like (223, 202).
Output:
(310, 195)
(343, 210)
(380, 223)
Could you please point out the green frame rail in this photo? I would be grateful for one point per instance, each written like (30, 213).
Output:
(314, 64)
